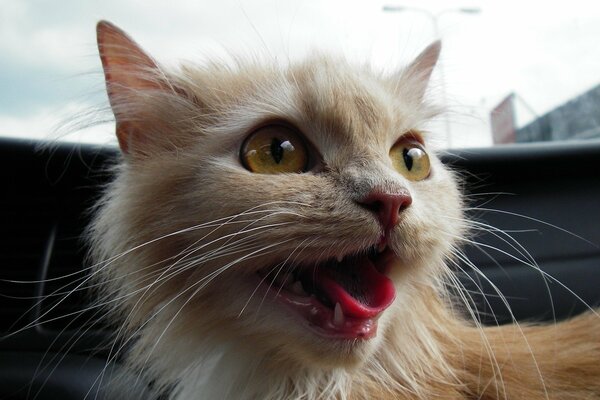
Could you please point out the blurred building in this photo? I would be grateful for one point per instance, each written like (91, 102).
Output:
(502, 119)
(579, 118)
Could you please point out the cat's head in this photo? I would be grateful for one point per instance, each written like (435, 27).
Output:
(297, 210)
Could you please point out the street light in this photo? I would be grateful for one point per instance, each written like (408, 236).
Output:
(434, 17)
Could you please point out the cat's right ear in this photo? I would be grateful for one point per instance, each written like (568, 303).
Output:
(415, 78)
(129, 73)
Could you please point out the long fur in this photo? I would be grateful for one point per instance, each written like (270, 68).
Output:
(184, 226)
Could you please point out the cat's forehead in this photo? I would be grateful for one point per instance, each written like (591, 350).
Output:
(341, 101)
(329, 100)
(349, 103)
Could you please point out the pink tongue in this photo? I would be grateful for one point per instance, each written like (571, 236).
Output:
(378, 287)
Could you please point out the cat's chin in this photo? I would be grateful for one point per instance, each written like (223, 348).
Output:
(339, 299)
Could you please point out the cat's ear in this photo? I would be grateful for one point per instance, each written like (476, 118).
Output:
(129, 73)
(418, 73)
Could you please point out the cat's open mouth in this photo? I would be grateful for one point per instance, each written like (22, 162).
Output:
(339, 299)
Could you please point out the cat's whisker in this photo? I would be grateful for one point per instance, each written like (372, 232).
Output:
(271, 214)
(488, 196)
(124, 296)
(86, 279)
(496, 368)
(63, 351)
(209, 224)
(202, 284)
(478, 228)
(278, 267)
(197, 260)
(512, 242)
(295, 262)
(535, 220)
(543, 273)
(522, 252)
(463, 258)
(469, 304)
(142, 290)
(166, 274)
(220, 251)
(97, 268)
(262, 280)
(244, 230)
(515, 245)
(295, 254)
(506, 238)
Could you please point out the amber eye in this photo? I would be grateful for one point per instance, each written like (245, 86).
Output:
(274, 149)
(410, 159)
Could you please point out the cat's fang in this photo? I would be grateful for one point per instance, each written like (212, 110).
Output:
(338, 315)
(340, 258)
(297, 288)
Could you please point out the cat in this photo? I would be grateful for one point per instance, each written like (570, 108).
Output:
(285, 233)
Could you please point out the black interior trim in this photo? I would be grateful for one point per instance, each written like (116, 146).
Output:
(541, 191)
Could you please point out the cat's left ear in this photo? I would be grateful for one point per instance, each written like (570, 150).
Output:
(130, 73)
(417, 75)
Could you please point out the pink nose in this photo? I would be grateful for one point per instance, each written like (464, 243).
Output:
(387, 206)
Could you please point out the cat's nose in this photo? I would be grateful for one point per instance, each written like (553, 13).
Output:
(387, 206)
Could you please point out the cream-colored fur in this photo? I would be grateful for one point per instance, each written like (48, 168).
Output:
(183, 229)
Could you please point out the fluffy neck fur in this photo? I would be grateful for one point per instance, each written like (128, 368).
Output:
(412, 363)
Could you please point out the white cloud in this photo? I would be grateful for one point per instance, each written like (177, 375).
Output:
(60, 123)
(544, 51)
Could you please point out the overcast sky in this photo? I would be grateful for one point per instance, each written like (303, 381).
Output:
(547, 52)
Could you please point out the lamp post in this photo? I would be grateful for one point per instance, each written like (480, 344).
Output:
(434, 17)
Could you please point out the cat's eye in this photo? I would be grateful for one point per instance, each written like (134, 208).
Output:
(274, 149)
(410, 159)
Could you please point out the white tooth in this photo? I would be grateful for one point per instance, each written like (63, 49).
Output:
(338, 315)
(297, 288)
(340, 258)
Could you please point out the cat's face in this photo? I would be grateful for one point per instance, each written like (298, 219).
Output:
(302, 209)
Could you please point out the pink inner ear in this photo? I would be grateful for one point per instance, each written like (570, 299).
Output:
(419, 71)
(127, 69)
